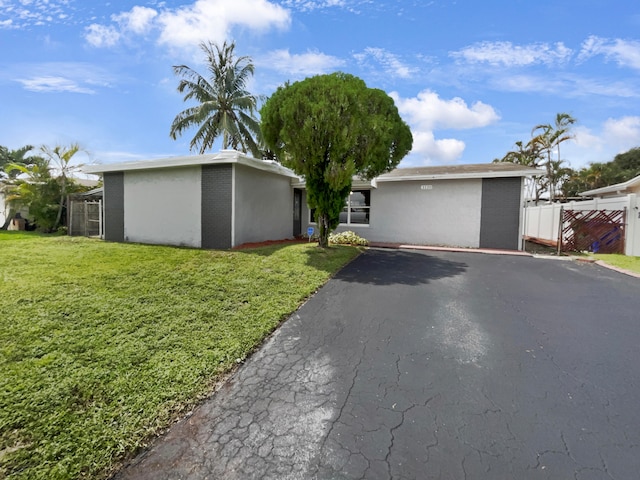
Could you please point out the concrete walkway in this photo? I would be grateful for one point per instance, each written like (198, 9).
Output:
(433, 365)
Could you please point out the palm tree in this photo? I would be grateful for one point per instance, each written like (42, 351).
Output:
(225, 107)
(549, 139)
(59, 159)
(9, 157)
(42, 183)
(528, 155)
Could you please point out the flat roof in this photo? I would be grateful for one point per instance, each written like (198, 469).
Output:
(476, 170)
(223, 157)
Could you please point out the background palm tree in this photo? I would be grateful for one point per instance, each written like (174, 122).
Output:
(549, 139)
(225, 107)
(41, 184)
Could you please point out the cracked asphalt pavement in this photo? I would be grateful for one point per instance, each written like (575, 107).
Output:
(430, 365)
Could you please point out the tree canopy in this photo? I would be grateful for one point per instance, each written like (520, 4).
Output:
(539, 151)
(623, 167)
(329, 128)
(41, 183)
(224, 105)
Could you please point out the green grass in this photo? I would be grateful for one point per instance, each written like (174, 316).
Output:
(104, 344)
(621, 261)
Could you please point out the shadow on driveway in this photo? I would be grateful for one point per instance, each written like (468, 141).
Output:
(399, 267)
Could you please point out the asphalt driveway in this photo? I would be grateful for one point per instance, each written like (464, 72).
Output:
(431, 365)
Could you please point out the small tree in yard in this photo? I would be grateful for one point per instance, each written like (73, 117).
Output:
(329, 128)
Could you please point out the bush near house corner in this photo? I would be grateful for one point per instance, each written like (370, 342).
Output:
(347, 238)
(102, 345)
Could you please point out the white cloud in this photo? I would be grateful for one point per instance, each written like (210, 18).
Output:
(615, 135)
(428, 111)
(187, 26)
(24, 13)
(430, 150)
(391, 64)
(54, 77)
(310, 5)
(213, 20)
(138, 20)
(54, 84)
(625, 53)
(509, 55)
(300, 65)
(101, 35)
(623, 131)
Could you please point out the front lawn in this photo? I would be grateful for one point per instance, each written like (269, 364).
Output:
(621, 261)
(102, 345)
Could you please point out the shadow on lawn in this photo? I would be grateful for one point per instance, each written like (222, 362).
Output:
(392, 267)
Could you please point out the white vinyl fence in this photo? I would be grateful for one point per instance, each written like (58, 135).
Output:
(543, 221)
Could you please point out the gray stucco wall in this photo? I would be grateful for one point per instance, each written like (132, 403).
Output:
(114, 206)
(501, 209)
(217, 203)
(163, 206)
(263, 206)
(433, 212)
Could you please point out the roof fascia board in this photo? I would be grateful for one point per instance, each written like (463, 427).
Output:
(225, 156)
(457, 176)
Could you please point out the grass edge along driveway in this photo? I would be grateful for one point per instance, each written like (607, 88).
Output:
(102, 345)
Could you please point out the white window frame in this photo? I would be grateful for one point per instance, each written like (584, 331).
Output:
(349, 207)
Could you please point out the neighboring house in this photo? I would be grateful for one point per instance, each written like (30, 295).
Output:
(602, 205)
(226, 199)
(617, 190)
(4, 208)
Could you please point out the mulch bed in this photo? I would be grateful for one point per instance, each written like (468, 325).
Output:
(245, 246)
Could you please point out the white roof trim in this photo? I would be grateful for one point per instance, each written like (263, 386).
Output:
(458, 176)
(225, 156)
(618, 188)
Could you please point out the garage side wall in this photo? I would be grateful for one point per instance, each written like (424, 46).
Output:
(431, 212)
(501, 211)
(163, 206)
(263, 206)
(114, 206)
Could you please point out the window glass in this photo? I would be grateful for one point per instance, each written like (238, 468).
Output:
(356, 210)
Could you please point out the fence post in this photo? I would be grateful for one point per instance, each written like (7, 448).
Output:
(560, 224)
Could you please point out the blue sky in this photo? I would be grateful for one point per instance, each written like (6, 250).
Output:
(469, 77)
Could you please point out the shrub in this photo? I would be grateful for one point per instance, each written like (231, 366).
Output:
(347, 238)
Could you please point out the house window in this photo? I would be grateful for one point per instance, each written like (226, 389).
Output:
(356, 210)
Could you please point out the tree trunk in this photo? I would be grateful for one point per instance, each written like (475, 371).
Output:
(12, 213)
(63, 189)
(323, 230)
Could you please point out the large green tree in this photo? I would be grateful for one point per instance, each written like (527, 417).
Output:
(623, 167)
(224, 105)
(41, 183)
(329, 128)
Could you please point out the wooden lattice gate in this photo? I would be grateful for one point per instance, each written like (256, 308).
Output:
(601, 231)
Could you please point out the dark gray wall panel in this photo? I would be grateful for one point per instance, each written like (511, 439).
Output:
(114, 206)
(500, 221)
(216, 205)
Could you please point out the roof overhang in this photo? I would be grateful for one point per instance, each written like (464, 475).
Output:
(220, 158)
(460, 172)
(617, 189)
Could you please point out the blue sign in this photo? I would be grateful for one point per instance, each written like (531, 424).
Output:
(310, 231)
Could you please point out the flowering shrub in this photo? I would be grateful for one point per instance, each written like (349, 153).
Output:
(347, 238)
